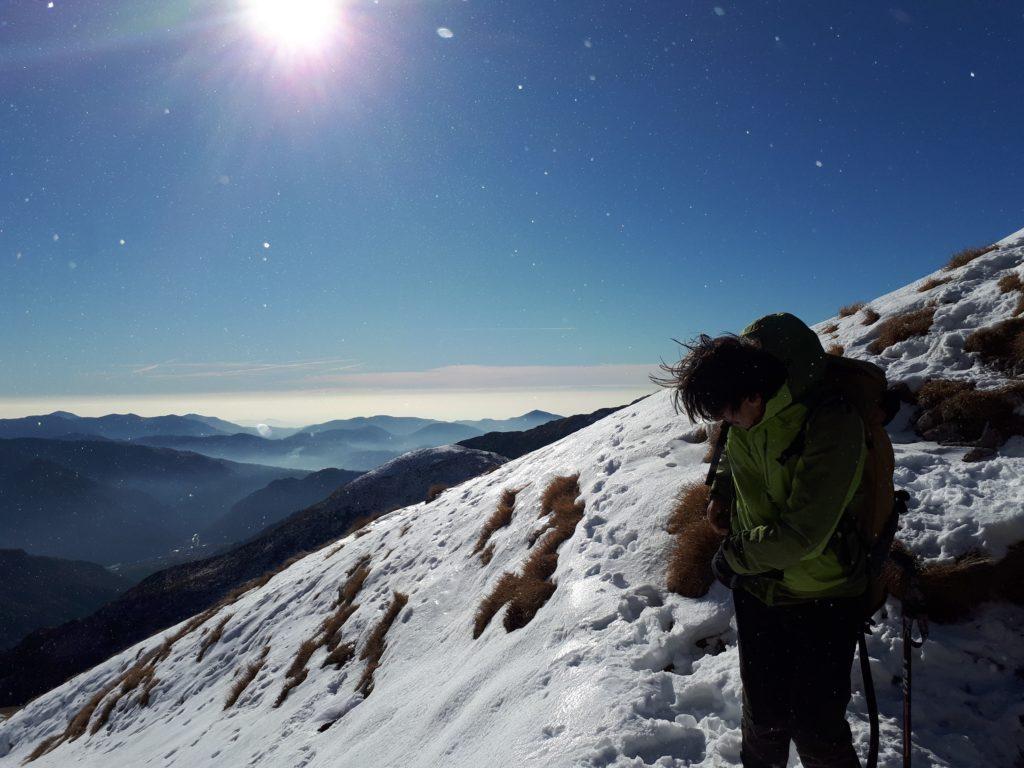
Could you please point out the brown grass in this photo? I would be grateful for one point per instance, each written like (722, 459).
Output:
(357, 576)
(487, 555)
(530, 595)
(870, 316)
(689, 565)
(500, 518)
(830, 328)
(332, 625)
(297, 672)
(212, 638)
(934, 391)
(966, 256)
(340, 656)
(953, 590)
(932, 282)
(851, 309)
(527, 592)
(902, 327)
(249, 673)
(1000, 346)
(434, 491)
(556, 491)
(375, 646)
(143, 671)
(147, 690)
(955, 412)
(334, 551)
(836, 349)
(502, 593)
(328, 634)
(1010, 282)
(138, 674)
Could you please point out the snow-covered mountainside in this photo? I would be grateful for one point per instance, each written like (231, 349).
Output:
(613, 670)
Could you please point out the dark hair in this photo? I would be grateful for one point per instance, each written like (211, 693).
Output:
(720, 372)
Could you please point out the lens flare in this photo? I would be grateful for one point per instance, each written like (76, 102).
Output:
(294, 26)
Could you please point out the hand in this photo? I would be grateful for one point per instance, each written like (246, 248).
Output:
(718, 515)
(722, 570)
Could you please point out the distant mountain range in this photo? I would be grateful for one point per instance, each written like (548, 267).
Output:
(273, 503)
(115, 426)
(357, 444)
(106, 501)
(46, 591)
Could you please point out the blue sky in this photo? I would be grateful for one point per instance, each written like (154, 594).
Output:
(521, 214)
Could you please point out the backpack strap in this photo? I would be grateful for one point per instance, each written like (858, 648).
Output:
(820, 397)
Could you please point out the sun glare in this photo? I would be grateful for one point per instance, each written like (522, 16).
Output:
(297, 26)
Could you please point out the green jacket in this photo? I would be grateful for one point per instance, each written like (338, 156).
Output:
(789, 494)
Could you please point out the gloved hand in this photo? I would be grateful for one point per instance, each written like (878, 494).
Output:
(722, 570)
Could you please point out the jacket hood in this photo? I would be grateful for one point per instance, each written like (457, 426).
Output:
(789, 339)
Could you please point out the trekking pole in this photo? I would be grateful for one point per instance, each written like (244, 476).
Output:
(869, 692)
(723, 433)
(909, 643)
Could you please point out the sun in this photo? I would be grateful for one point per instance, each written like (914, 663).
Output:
(295, 26)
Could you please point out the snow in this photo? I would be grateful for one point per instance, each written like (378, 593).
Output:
(584, 683)
(971, 299)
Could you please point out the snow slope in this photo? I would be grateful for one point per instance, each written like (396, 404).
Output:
(583, 684)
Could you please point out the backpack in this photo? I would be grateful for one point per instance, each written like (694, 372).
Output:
(863, 385)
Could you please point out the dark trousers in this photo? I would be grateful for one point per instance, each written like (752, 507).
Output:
(795, 667)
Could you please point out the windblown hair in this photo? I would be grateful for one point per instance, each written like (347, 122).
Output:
(720, 372)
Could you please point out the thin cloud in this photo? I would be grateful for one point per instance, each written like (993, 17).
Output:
(218, 370)
(476, 377)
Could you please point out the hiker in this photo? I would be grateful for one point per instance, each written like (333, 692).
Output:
(785, 496)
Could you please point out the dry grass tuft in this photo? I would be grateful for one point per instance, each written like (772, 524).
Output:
(870, 316)
(902, 327)
(932, 282)
(340, 656)
(487, 555)
(527, 592)
(147, 690)
(212, 638)
(502, 593)
(830, 328)
(689, 566)
(966, 256)
(500, 518)
(332, 625)
(328, 635)
(1000, 346)
(374, 649)
(954, 589)
(297, 671)
(530, 595)
(935, 391)
(1010, 282)
(851, 309)
(248, 675)
(434, 491)
(955, 412)
(143, 671)
(357, 576)
(836, 349)
(556, 491)
(334, 551)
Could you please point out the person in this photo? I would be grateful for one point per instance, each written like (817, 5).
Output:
(784, 496)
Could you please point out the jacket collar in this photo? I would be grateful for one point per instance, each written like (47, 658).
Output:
(776, 403)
